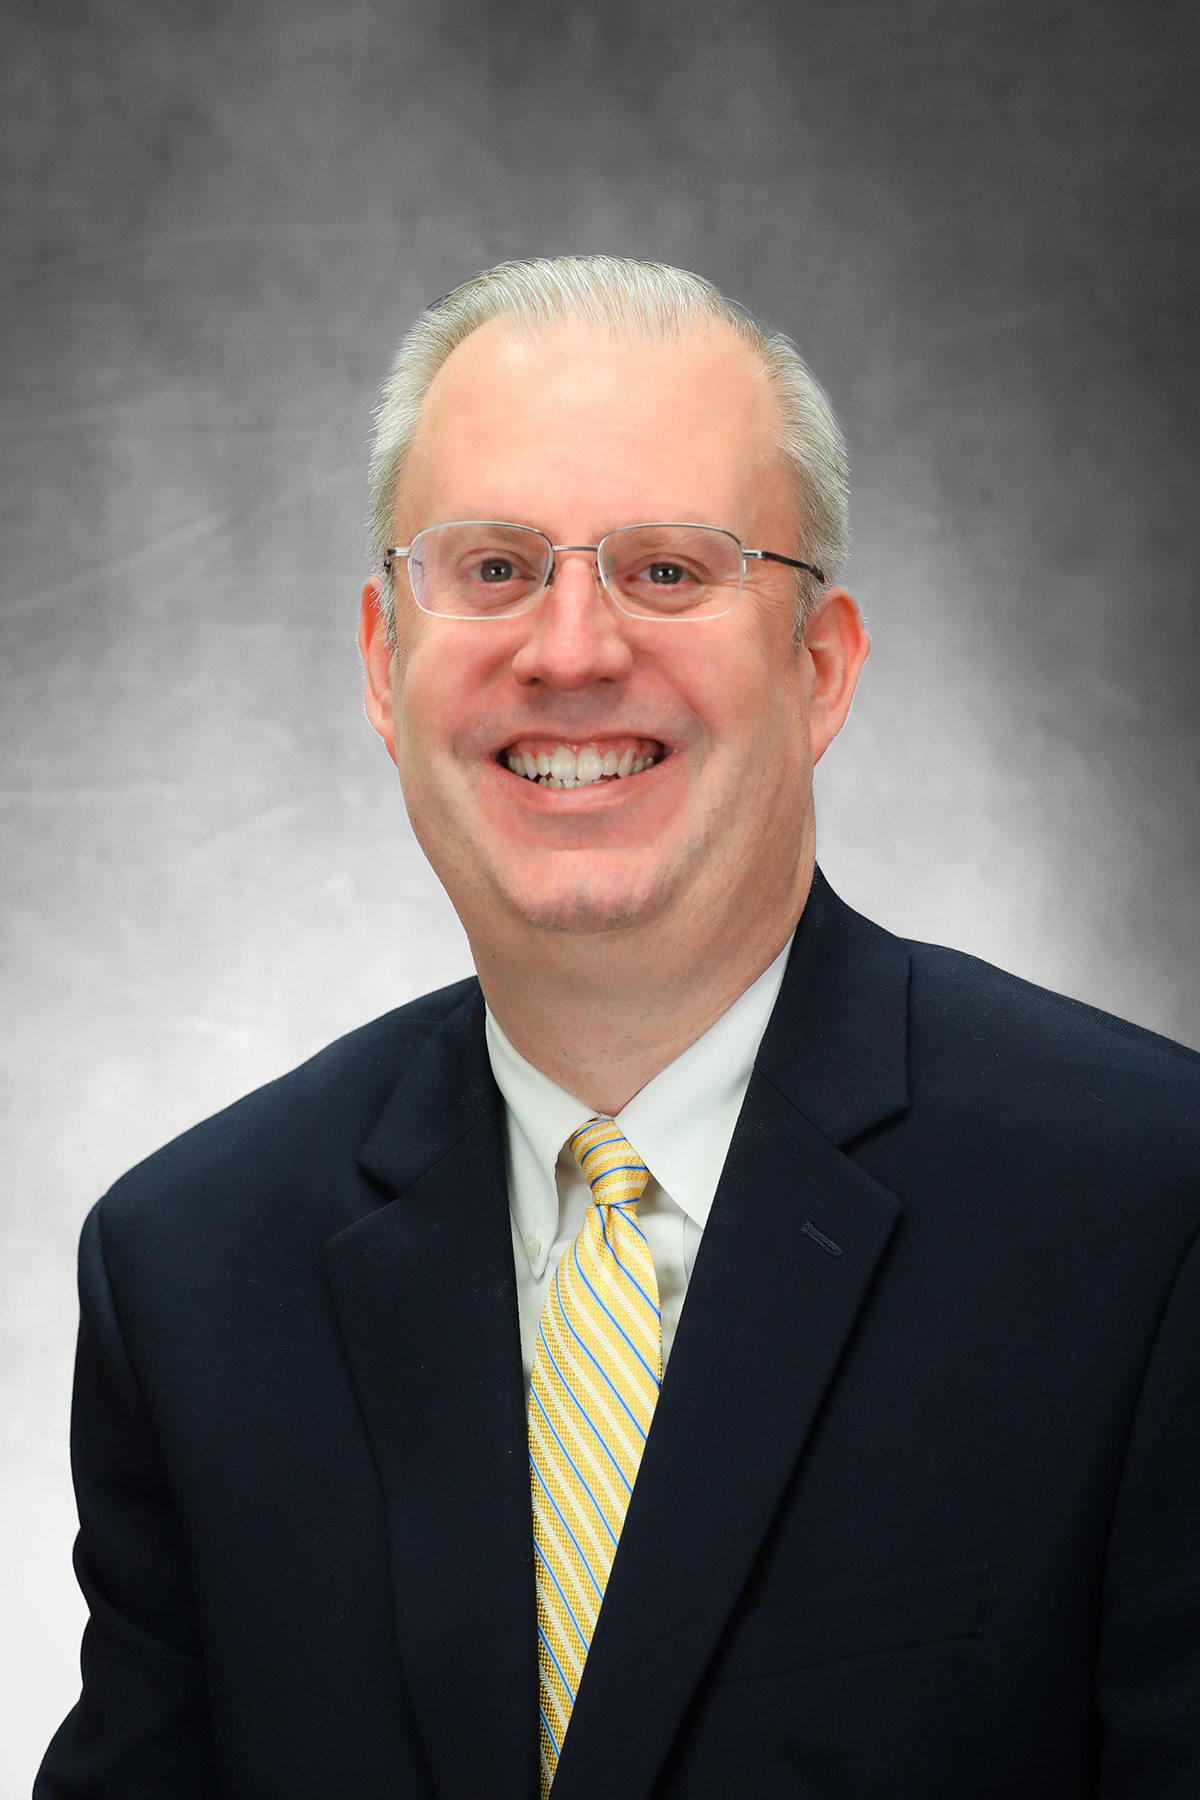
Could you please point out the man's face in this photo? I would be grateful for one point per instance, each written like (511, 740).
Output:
(578, 433)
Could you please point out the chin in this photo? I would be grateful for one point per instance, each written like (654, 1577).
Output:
(585, 910)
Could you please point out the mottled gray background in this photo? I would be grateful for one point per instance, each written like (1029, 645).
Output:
(978, 221)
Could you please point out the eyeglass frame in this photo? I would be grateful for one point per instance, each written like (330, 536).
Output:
(397, 550)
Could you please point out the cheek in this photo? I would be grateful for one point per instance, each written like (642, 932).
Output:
(417, 710)
(443, 696)
(750, 699)
(423, 691)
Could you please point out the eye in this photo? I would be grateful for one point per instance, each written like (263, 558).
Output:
(665, 574)
(495, 568)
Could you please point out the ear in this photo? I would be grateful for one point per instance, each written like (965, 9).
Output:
(377, 654)
(837, 642)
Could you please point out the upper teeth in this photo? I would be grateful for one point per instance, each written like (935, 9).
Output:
(563, 768)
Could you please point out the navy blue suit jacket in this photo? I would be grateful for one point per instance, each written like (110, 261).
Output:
(919, 1514)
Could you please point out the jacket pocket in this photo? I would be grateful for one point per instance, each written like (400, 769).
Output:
(898, 1615)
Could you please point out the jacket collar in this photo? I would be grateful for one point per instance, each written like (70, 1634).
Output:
(837, 1044)
(445, 1092)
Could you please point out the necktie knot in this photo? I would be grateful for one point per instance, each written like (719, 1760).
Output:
(615, 1172)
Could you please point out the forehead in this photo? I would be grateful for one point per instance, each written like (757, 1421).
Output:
(591, 424)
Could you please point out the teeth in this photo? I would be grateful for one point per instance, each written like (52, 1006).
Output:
(562, 768)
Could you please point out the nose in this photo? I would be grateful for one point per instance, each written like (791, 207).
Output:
(576, 635)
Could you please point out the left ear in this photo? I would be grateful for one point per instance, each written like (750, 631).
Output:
(837, 642)
(377, 652)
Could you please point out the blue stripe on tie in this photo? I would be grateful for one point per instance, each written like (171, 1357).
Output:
(628, 1273)
(578, 1473)
(554, 1578)
(627, 1212)
(583, 1411)
(554, 1503)
(549, 1732)
(616, 1322)
(618, 1395)
(550, 1653)
(637, 1168)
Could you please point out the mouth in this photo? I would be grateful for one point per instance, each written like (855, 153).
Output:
(560, 765)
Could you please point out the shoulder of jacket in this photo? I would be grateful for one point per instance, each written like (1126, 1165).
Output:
(316, 1114)
(967, 991)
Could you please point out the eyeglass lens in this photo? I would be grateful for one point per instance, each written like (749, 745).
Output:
(468, 570)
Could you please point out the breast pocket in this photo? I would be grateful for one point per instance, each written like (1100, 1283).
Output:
(896, 1615)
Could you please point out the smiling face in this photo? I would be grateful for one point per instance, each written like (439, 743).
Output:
(691, 743)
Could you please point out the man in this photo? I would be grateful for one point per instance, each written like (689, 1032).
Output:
(725, 1350)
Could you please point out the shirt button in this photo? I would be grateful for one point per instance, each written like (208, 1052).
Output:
(533, 1243)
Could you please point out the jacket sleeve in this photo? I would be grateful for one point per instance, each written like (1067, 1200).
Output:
(1148, 1690)
(140, 1728)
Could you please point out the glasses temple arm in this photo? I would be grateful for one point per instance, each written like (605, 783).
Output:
(790, 561)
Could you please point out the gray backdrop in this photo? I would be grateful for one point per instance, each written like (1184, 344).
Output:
(978, 221)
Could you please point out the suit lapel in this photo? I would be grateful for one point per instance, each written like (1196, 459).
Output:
(425, 1298)
(796, 1234)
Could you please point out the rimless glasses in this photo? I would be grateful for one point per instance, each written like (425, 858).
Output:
(484, 569)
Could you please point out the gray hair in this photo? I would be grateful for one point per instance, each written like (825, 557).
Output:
(622, 297)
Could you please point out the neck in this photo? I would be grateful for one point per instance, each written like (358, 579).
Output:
(602, 1014)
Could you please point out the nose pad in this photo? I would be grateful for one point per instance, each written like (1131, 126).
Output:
(579, 592)
(562, 550)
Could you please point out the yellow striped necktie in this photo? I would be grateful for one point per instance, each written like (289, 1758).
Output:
(596, 1373)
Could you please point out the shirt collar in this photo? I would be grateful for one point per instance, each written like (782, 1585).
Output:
(680, 1124)
(541, 1116)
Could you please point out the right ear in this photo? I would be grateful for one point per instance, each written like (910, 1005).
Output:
(378, 653)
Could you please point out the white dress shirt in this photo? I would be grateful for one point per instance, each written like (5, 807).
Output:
(680, 1124)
